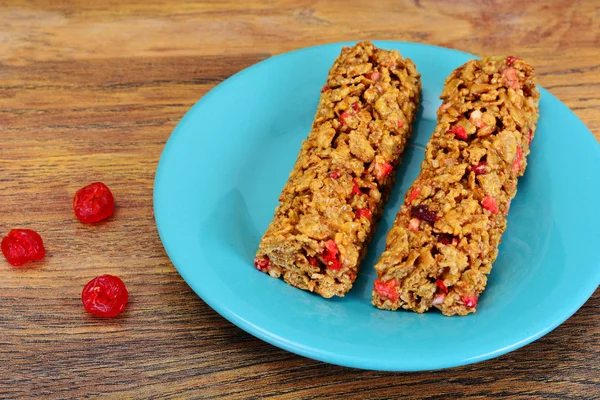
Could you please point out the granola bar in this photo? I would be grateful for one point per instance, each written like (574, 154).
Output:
(446, 234)
(344, 172)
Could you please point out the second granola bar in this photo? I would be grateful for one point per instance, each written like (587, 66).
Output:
(446, 235)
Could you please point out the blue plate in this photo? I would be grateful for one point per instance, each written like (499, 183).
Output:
(225, 164)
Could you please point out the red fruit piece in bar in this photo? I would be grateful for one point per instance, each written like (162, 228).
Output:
(364, 212)
(387, 289)
(382, 170)
(262, 263)
(517, 163)
(414, 194)
(331, 255)
(447, 239)
(479, 169)
(510, 60)
(441, 286)
(423, 212)
(458, 131)
(470, 300)
(489, 203)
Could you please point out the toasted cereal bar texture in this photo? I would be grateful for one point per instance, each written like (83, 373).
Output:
(446, 235)
(334, 196)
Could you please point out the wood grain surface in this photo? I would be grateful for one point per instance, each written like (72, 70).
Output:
(91, 90)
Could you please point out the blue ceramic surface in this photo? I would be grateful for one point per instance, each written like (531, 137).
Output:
(225, 164)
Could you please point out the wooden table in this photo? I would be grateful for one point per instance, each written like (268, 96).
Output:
(91, 91)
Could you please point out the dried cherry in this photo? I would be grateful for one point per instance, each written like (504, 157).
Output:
(93, 203)
(105, 295)
(21, 246)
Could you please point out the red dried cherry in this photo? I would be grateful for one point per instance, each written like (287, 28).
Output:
(93, 203)
(334, 174)
(105, 295)
(21, 246)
